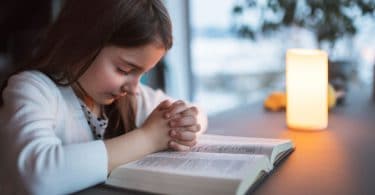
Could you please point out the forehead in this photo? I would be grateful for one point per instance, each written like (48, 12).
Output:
(144, 57)
(144, 51)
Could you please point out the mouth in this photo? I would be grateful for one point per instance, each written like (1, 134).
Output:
(116, 96)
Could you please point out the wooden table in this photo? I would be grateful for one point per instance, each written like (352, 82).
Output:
(339, 160)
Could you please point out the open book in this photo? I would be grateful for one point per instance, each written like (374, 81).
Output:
(216, 165)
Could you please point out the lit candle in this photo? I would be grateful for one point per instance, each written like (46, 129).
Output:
(306, 87)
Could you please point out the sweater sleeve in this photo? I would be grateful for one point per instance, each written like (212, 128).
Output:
(42, 163)
(149, 99)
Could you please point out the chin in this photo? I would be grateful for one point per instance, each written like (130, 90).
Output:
(107, 101)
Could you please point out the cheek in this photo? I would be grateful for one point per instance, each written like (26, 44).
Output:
(97, 79)
(110, 80)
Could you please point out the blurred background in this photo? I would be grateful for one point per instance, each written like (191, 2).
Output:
(228, 53)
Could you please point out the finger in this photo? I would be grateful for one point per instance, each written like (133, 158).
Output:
(176, 107)
(164, 104)
(186, 143)
(181, 147)
(178, 147)
(192, 128)
(178, 115)
(183, 135)
(173, 106)
(182, 122)
(192, 111)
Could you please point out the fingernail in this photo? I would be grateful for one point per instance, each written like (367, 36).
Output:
(173, 133)
(167, 115)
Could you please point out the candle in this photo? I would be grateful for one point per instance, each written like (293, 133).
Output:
(306, 87)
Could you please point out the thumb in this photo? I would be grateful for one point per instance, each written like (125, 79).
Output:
(164, 105)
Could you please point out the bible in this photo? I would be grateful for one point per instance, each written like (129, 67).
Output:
(216, 165)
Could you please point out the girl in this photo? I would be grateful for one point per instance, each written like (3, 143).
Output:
(77, 110)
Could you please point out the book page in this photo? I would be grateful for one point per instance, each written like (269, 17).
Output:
(188, 173)
(202, 164)
(242, 145)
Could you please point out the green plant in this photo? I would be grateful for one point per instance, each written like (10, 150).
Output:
(327, 19)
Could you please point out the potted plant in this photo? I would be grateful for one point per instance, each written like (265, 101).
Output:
(329, 20)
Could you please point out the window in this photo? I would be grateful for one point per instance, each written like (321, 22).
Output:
(229, 71)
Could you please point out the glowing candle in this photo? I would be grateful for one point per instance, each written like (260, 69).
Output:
(306, 87)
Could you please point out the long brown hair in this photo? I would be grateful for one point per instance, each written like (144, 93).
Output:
(84, 27)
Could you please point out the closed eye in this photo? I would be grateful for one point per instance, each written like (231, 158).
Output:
(123, 72)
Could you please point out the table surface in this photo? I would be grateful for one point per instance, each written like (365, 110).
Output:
(338, 160)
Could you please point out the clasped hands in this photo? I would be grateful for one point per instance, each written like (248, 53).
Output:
(183, 123)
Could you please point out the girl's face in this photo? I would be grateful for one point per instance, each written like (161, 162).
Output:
(117, 70)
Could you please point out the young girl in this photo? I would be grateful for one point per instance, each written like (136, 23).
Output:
(77, 110)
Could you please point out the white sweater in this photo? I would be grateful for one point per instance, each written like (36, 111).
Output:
(46, 144)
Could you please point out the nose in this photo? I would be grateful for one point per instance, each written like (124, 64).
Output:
(131, 87)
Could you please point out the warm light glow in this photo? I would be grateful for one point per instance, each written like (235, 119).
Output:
(307, 86)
